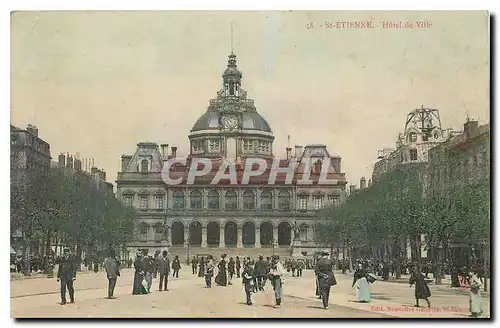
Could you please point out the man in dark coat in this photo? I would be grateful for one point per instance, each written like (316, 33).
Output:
(67, 274)
(176, 266)
(164, 270)
(112, 272)
(260, 272)
(326, 278)
(238, 266)
(194, 265)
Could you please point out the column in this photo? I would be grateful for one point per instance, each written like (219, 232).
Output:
(222, 199)
(221, 238)
(204, 237)
(257, 236)
(257, 198)
(239, 237)
(169, 235)
(275, 234)
(186, 233)
(187, 199)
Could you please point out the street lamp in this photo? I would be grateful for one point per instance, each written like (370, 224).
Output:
(166, 235)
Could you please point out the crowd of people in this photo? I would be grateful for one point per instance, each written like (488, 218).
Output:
(255, 273)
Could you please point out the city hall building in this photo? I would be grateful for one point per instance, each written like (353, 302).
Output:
(243, 218)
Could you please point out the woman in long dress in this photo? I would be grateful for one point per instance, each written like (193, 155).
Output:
(422, 291)
(201, 271)
(475, 299)
(221, 278)
(138, 289)
(363, 286)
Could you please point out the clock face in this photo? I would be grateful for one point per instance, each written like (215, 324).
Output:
(229, 122)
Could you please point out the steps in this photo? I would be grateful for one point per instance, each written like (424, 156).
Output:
(253, 253)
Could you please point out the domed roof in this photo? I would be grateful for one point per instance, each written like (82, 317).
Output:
(251, 121)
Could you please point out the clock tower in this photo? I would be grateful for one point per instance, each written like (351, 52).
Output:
(231, 126)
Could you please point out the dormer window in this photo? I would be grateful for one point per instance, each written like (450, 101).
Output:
(144, 166)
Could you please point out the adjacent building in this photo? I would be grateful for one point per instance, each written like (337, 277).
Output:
(242, 217)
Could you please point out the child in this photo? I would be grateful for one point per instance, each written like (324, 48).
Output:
(248, 281)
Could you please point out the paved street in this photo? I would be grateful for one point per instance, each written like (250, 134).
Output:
(188, 299)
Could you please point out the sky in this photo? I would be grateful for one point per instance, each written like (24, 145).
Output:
(98, 83)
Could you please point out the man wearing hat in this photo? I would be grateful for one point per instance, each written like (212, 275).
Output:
(276, 276)
(67, 274)
(326, 278)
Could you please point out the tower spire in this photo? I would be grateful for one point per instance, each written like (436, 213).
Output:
(231, 25)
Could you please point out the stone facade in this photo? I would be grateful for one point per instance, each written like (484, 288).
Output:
(225, 215)
(422, 132)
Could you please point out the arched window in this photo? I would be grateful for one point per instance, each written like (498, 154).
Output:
(266, 200)
(231, 200)
(248, 200)
(284, 200)
(213, 200)
(196, 200)
(144, 166)
(178, 200)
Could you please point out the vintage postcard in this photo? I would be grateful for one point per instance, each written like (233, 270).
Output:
(250, 164)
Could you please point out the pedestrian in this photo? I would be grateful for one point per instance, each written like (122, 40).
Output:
(201, 270)
(221, 278)
(475, 300)
(326, 278)
(358, 274)
(363, 289)
(149, 268)
(209, 271)
(66, 274)
(156, 259)
(112, 268)
(422, 291)
(230, 270)
(164, 270)
(176, 266)
(96, 266)
(300, 266)
(138, 286)
(385, 271)
(238, 266)
(293, 266)
(260, 272)
(276, 274)
(248, 282)
(194, 265)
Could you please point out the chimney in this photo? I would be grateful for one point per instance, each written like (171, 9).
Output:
(174, 152)
(369, 183)
(69, 162)
(94, 170)
(62, 160)
(298, 151)
(471, 129)
(362, 183)
(32, 130)
(78, 165)
(125, 162)
(351, 189)
(288, 152)
(164, 151)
